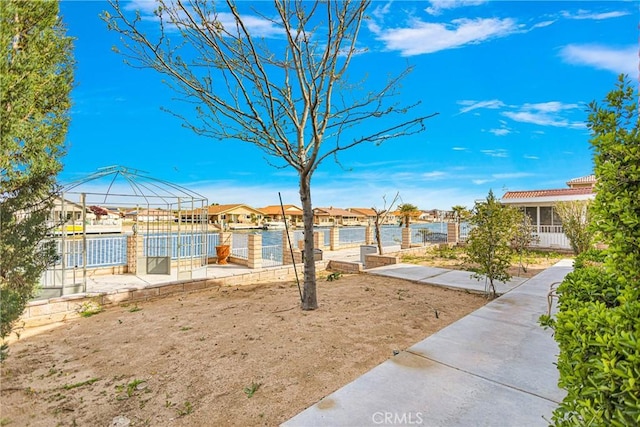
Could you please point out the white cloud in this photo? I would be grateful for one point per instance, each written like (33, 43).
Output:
(550, 107)
(437, 6)
(459, 149)
(425, 37)
(257, 26)
(473, 105)
(585, 14)
(481, 181)
(542, 24)
(500, 132)
(495, 153)
(542, 119)
(621, 60)
(545, 114)
(433, 175)
(512, 175)
(532, 157)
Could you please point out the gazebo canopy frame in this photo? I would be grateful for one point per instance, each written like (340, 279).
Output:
(168, 221)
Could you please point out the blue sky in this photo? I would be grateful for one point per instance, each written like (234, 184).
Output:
(510, 81)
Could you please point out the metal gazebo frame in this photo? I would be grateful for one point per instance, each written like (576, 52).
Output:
(169, 225)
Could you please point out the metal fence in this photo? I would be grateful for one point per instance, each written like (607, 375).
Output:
(101, 251)
(271, 256)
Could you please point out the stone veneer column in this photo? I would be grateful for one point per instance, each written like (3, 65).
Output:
(406, 238)
(135, 254)
(286, 251)
(452, 232)
(318, 239)
(255, 251)
(225, 238)
(334, 238)
(368, 235)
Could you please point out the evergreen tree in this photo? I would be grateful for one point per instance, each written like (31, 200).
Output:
(36, 75)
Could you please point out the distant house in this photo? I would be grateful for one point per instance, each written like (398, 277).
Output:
(149, 215)
(370, 216)
(292, 214)
(234, 214)
(538, 205)
(330, 217)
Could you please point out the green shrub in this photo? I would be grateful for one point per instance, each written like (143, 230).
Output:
(590, 257)
(597, 326)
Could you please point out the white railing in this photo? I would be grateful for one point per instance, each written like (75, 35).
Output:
(271, 256)
(242, 253)
(550, 229)
(552, 240)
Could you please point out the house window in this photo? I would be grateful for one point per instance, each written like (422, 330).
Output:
(532, 213)
(546, 216)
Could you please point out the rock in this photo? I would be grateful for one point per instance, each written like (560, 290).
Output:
(120, 421)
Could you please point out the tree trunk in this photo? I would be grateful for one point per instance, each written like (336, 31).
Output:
(378, 234)
(309, 297)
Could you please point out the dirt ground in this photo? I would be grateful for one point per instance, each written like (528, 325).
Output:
(229, 356)
(241, 356)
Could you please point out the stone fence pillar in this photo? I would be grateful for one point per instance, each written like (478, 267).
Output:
(368, 235)
(452, 232)
(318, 239)
(135, 254)
(334, 238)
(286, 251)
(255, 251)
(406, 238)
(225, 238)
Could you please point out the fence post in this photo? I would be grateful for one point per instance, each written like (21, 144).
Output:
(368, 235)
(406, 238)
(286, 251)
(135, 254)
(255, 251)
(334, 238)
(225, 238)
(318, 239)
(452, 232)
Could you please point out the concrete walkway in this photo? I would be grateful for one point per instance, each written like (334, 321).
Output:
(494, 367)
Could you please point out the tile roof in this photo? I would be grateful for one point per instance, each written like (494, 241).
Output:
(589, 179)
(331, 211)
(547, 193)
(363, 211)
(277, 210)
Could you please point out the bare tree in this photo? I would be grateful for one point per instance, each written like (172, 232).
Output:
(290, 97)
(381, 218)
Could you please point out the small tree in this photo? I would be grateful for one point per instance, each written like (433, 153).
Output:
(36, 74)
(381, 218)
(286, 96)
(522, 240)
(489, 242)
(576, 220)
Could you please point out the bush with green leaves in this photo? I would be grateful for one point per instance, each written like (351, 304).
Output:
(490, 242)
(576, 221)
(597, 326)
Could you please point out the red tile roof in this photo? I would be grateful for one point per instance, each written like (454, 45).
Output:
(589, 179)
(547, 193)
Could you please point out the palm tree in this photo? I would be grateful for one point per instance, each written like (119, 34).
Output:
(408, 211)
